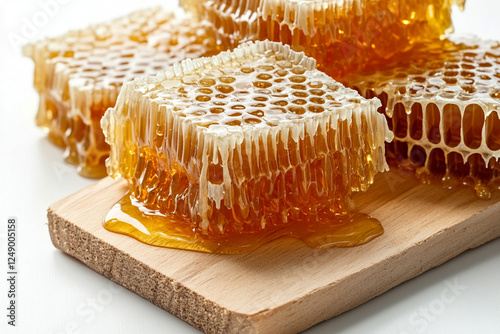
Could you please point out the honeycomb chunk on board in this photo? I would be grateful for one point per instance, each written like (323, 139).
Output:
(245, 141)
(79, 75)
(342, 35)
(443, 105)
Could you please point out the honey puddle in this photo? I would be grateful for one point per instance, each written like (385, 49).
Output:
(325, 230)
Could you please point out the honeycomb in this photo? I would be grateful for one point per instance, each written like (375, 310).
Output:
(443, 106)
(243, 147)
(342, 35)
(79, 75)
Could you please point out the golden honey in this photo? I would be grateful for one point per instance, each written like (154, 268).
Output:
(342, 35)
(79, 75)
(442, 103)
(223, 154)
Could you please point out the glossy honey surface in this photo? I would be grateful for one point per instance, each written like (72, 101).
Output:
(326, 229)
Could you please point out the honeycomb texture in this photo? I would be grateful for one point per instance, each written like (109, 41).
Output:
(79, 75)
(443, 106)
(341, 35)
(244, 140)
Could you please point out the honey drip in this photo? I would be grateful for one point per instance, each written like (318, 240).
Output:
(442, 103)
(342, 35)
(254, 142)
(79, 75)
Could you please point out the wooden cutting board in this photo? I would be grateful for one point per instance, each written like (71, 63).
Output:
(283, 286)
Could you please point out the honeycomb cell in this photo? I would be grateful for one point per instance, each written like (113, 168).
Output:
(253, 173)
(342, 35)
(433, 121)
(79, 75)
(493, 131)
(452, 121)
(400, 121)
(474, 117)
(416, 118)
(450, 117)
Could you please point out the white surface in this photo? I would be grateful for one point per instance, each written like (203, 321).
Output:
(58, 294)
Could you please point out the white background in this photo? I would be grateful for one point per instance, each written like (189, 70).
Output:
(58, 294)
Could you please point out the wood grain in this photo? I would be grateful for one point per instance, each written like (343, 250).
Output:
(284, 286)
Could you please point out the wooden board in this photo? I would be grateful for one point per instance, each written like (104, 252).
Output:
(283, 286)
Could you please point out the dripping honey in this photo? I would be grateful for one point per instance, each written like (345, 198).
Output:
(228, 158)
(442, 104)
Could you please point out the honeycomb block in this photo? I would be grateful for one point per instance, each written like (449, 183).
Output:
(342, 35)
(245, 140)
(443, 106)
(79, 75)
